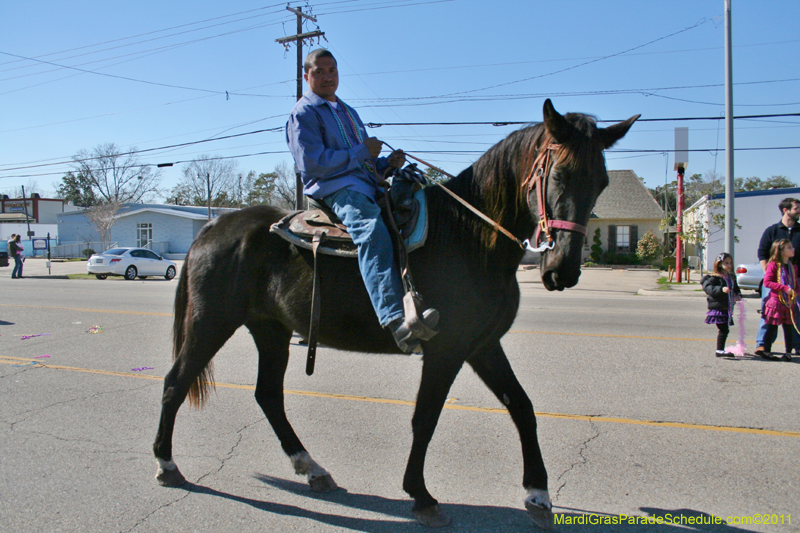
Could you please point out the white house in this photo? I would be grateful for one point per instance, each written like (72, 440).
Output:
(165, 229)
(753, 211)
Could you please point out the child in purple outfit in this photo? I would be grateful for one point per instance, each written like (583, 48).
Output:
(780, 277)
(723, 291)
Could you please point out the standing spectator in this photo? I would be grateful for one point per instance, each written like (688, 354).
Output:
(723, 291)
(15, 249)
(781, 278)
(787, 228)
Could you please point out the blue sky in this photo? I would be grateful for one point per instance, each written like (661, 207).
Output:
(161, 70)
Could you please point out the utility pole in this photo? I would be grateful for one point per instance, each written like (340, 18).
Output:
(298, 38)
(25, 207)
(729, 194)
(208, 186)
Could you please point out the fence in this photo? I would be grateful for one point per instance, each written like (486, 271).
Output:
(158, 247)
(73, 250)
(77, 249)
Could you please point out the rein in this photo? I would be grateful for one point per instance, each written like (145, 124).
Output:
(536, 178)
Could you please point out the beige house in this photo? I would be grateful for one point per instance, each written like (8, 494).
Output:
(624, 212)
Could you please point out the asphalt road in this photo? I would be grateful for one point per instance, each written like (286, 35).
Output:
(636, 417)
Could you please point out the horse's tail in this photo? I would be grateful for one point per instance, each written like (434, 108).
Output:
(181, 326)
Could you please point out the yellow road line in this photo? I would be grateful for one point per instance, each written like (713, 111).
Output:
(612, 420)
(110, 311)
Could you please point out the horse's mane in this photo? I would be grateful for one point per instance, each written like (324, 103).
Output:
(494, 183)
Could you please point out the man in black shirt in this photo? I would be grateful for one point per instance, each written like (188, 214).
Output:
(787, 228)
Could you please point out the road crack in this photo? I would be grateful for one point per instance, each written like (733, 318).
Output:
(582, 460)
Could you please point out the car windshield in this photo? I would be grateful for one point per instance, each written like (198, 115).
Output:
(115, 251)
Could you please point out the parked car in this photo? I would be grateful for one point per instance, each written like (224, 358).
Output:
(131, 263)
(750, 276)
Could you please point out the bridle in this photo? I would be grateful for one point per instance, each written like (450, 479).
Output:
(537, 178)
(540, 171)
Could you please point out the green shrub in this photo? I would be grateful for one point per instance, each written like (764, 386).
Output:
(596, 254)
(616, 258)
(87, 252)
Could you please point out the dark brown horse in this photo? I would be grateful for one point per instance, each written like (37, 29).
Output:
(237, 273)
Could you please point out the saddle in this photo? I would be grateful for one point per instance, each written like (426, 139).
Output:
(300, 227)
(321, 231)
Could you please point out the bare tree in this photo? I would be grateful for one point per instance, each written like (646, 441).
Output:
(102, 217)
(208, 174)
(116, 176)
(285, 183)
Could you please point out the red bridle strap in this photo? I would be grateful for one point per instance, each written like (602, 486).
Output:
(538, 179)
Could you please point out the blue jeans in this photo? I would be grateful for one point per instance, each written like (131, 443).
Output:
(762, 327)
(17, 272)
(362, 217)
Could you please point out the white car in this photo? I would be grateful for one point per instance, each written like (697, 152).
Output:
(750, 276)
(131, 263)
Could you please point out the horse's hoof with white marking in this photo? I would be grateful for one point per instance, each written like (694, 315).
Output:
(541, 516)
(170, 477)
(323, 483)
(432, 517)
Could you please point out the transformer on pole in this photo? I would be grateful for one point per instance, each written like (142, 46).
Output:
(298, 39)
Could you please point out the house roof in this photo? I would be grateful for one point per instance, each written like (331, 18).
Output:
(183, 211)
(626, 197)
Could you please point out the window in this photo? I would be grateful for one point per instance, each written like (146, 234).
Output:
(144, 234)
(623, 238)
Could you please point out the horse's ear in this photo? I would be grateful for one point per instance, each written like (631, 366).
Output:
(612, 134)
(556, 125)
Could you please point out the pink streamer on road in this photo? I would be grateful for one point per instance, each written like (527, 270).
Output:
(739, 348)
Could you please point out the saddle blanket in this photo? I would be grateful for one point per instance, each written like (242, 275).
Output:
(337, 241)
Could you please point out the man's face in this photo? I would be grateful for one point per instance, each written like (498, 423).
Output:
(323, 79)
(794, 212)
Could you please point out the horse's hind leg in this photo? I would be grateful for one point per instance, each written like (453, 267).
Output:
(272, 339)
(493, 368)
(202, 342)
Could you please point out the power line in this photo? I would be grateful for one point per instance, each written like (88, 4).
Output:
(516, 123)
(375, 125)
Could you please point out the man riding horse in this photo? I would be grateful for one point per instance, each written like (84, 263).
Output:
(340, 168)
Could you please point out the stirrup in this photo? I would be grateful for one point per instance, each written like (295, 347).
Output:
(423, 328)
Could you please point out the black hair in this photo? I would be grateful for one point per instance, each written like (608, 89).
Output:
(314, 55)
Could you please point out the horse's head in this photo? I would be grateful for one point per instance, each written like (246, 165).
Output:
(572, 176)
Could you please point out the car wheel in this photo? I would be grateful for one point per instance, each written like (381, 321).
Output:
(100, 276)
(142, 277)
(170, 273)
(130, 273)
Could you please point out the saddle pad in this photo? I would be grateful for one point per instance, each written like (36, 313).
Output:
(338, 242)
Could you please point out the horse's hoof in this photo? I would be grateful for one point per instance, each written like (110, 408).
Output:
(323, 484)
(432, 517)
(170, 478)
(541, 516)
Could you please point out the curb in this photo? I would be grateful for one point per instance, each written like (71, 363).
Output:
(671, 292)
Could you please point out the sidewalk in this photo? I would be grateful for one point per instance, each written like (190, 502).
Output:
(36, 268)
(636, 280)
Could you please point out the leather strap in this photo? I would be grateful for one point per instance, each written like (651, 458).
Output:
(316, 302)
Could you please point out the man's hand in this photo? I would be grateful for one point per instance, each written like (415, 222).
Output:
(397, 159)
(374, 146)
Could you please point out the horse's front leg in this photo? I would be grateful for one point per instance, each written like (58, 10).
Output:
(438, 375)
(493, 368)
(272, 340)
